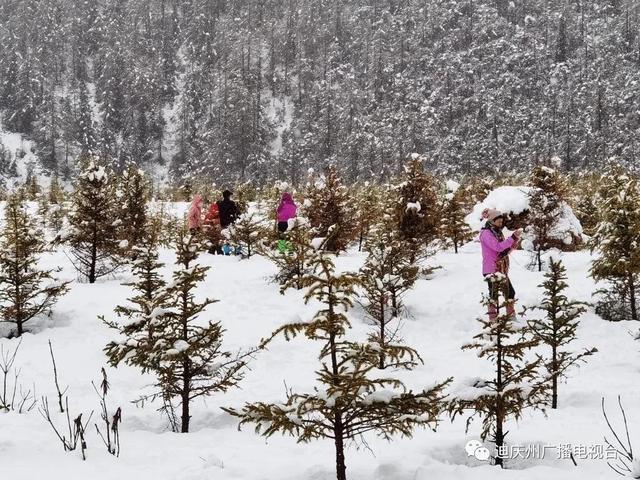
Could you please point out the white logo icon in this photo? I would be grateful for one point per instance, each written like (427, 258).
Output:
(474, 448)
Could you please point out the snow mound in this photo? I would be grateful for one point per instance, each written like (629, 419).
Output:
(514, 201)
(507, 199)
(567, 225)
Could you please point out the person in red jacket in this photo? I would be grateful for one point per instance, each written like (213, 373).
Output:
(212, 226)
(213, 216)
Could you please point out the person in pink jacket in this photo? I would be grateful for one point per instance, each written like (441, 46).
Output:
(285, 212)
(194, 216)
(495, 256)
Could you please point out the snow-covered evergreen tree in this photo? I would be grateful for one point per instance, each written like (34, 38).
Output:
(351, 399)
(133, 195)
(545, 208)
(454, 228)
(330, 210)
(369, 203)
(558, 328)
(587, 212)
(139, 317)
(95, 249)
(386, 276)
(185, 355)
(56, 194)
(616, 242)
(293, 263)
(57, 210)
(416, 207)
(247, 232)
(585, 189)
(514, 385)
(26, 289)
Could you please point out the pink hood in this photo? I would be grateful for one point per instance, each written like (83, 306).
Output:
(194, 217)
(287, 208)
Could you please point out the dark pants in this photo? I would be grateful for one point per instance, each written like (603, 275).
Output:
(283, 226)
(495, 286)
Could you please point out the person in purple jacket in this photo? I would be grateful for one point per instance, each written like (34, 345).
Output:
(495, 256)
(286, 211)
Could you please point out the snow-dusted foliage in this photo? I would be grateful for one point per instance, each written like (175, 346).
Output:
(350, 399)
(486, 85)
(616, 240)
(515, 201)
(331, 211)
(386, 276)
(26, 290)
(248, 232)
(514, 384)
(558, 327)
(93, 236)
(163, 336)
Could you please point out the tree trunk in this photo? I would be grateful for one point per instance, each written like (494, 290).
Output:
(185, 397)
(632, 298)
(94, 256)
(186, 363)
(382, 332)
(499, 437)
(394, 304)
(554, 362)
(539, 256)
(554, 378)
(341, 468)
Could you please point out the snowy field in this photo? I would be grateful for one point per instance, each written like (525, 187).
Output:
(442, 317)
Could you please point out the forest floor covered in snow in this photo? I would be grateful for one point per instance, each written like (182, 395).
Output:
(442, 312)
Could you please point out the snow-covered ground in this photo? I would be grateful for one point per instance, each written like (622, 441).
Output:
(442, 317)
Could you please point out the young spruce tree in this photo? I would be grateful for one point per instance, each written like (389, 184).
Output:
(186, 357)
(93, 237)
(616, 239)
(586, 201)
(558, 328)
(369, 205)
(350, 400)
(416, 207)
(138, 318)
(454, 229)
(293, 264)
(56, 197)
(26, 290)
(514, 385)
(545, 208)
(133, 195)
(386, 276)
(329, 208)
(247, 232)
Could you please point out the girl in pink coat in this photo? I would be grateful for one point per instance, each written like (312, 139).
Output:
(286, 211)
(495, 257)
(194, 217)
